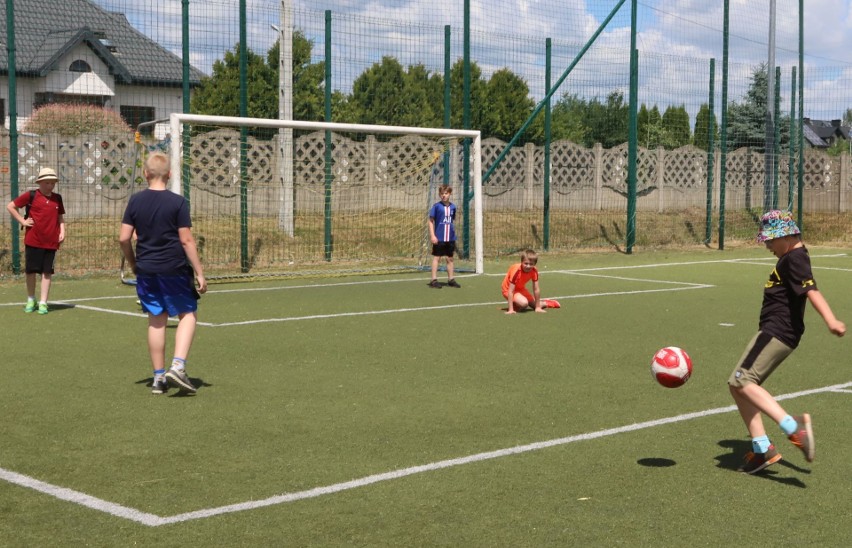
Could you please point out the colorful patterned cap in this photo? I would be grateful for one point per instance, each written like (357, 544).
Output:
(777, 224)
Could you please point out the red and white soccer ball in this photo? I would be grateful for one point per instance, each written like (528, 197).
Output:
(671, 367)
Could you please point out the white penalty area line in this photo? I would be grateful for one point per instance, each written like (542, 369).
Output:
(746, 260)
(450, 306)
(684, 286)
(153, 520)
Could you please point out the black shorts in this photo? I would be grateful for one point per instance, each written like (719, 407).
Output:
(39, 260)
(444, 249)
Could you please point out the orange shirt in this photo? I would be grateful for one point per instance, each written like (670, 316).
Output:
(517, 276)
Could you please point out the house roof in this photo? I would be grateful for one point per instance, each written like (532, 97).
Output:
(825, 128)
(822, 133)
(810, 135)
(46, 31)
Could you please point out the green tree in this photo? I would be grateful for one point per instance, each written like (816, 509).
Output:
(478, 95)
(847, 118)
(388, 94)
(607, 121)
(702, 121)
(650, 129)
(509, 106)
(219, 94)
(568, 119)
(676, 122)
(308, 79)
(747, 119)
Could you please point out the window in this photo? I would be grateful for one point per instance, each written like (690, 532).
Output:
(80, 66)
(47, 98)
(136, 115)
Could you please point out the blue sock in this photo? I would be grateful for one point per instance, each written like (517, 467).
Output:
(760, 444)
(789, 425)
(158, 373)
(178, 363)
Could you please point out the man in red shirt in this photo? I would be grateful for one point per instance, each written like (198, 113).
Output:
(45, 224)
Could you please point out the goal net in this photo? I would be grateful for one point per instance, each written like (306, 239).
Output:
(277, 197)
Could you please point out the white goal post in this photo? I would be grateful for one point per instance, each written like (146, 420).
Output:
(178, 121)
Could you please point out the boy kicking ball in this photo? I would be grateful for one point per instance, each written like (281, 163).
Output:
(782, 323)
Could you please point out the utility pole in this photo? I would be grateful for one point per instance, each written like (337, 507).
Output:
(769, 150)
(286, 212)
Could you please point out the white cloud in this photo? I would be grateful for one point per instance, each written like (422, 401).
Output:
(676, 41)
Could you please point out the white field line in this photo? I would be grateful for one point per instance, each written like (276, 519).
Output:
(153, 520)
(125, 313)
(686, 286)
(760, 261)
(444, 307)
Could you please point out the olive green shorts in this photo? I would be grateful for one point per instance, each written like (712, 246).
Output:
(762, 355)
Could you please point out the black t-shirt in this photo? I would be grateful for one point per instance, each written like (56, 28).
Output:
(783, 312)
(157, 215)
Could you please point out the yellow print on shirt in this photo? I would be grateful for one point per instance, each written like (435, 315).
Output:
(774, 279)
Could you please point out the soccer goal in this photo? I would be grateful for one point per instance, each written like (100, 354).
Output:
(278, 197)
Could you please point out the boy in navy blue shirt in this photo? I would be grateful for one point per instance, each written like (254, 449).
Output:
(442, 232)
(167, 269)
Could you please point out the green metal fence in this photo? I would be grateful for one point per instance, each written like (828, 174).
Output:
(701, 165)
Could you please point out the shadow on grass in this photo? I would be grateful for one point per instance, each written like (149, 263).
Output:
(733, 459)
(175, 393)
(56, 307)
(612, 241)
(656, 462)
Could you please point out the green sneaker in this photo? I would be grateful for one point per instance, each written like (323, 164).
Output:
(755, 462)
(42, 308)
(31, 306)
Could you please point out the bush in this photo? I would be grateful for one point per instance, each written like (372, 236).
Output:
(72, 120)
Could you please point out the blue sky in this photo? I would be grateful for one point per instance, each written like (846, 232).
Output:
(687, 29)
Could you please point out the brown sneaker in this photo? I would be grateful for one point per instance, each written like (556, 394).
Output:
(453, 283)
(435, 284)
(803, 438)
(755, 462)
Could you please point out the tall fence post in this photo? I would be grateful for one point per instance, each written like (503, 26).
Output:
(843, 182)
(661, 178)
(529, 174)
(598, 152)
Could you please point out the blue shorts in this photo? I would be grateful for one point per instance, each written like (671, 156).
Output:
(174, 294)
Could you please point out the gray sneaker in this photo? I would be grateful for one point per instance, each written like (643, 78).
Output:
(179, 379)
(159, 386)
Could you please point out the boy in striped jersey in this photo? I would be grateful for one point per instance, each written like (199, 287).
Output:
(442, 232)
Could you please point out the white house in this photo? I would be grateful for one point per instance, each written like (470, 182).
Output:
(72, 51)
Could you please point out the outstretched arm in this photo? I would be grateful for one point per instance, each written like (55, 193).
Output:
(821, 306)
